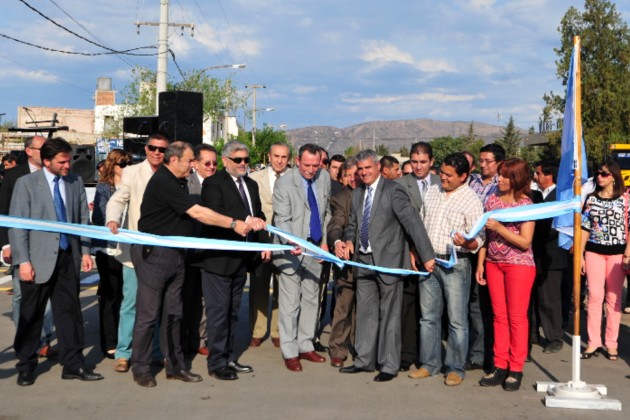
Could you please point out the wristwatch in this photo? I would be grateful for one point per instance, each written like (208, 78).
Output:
(233, 224)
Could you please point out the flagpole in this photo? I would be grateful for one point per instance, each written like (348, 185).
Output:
(577, 217)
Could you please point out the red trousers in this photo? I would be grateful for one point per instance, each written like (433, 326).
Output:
(510, 288)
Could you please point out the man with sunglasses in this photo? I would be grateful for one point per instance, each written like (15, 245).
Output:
(123, 209)
(193, 318)
(231, 193)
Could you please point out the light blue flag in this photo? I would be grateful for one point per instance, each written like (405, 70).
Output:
(569, 159)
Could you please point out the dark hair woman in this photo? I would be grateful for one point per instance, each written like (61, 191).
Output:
(606, 252)
(109, 269)
(506, 265)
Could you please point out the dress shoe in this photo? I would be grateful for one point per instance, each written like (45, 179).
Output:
(203, 351)
(513, 381)
(404, 367)
(48, 352)
(336, 362)
(275, 341)
(470, 365)
(81, 374)
(420, 374)
(223, 373)
(293, 364)
(110, 354)
(319, 347)
(384, 377)
(26, 378)
(184, 376)
(121, 365)
(453, 379)
(147, 380)
(553, 347)
(238, 368)
(255, 342)
(311, 356)
(354, 369)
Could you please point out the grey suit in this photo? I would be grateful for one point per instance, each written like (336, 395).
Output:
(393, 220)
(298, 298)
(410, 184)
(56, 270)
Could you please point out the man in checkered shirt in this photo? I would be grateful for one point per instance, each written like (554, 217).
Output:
(449, 207)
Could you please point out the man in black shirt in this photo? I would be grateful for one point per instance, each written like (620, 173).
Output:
(167, 209)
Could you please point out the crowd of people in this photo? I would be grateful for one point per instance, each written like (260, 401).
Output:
(162, 305)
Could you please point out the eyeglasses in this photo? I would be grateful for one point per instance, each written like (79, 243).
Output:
(486, 161)
(34, 148)
(210, 163)
(124, 164)
(603, 174)
(325, 161)
(239, 160)
(153, 148)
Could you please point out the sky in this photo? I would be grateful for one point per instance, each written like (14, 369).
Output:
(324, 62)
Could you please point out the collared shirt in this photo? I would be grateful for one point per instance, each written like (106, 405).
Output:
(446, 213)
(547, 190)
(423, 185)
(249, 198)
(374, 186)
(50, 179)
(32, 168)
(199, 178)
(273, 178)
(483, 190)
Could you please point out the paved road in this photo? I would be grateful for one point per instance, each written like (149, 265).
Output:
(272, 392)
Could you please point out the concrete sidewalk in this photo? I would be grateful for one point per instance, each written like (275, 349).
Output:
(272, 392)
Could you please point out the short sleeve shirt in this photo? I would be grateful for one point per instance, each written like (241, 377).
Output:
(164, 206)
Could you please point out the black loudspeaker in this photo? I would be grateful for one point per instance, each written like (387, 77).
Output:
(83, 162)
(181, 116)
(135, 145)
(141, 126)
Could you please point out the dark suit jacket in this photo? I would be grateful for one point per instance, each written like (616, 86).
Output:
(220, 193)
(340, 205)
(549, 256)
(392, 217)
(6, 192)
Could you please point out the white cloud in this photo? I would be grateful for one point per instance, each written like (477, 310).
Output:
(381, 52)
(39, 76)
(419, 97)
(435, 66)
(303, 90)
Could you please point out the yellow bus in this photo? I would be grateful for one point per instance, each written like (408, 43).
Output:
(620, 153)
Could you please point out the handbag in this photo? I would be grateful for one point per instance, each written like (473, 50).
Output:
(625, 217)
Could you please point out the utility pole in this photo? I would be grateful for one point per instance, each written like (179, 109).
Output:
(254, 87)
(162, 58)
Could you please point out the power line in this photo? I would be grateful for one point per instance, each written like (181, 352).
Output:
(122, 58)
(177, 65)
(76, 52)
(80, 36)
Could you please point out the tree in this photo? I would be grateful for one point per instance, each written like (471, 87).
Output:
(350, 151)
(605, 53)
(511, 140)
(381, 150)
(444, 146)
(404, 152)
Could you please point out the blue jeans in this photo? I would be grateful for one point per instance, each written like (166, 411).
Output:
(47, 328)
(127, 313)
(453, 287)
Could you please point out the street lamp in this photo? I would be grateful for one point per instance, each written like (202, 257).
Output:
(225, 66)
(254, 111)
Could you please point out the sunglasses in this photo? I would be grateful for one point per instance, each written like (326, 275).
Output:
(603, 174)
(153, 148)
(210, 163)
(239, 160)
(124, 164)
(325, 161)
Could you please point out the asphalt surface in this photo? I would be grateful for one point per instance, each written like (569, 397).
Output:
(272, 392)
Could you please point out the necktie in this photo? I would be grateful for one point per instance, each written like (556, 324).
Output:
(60, 211)
(424, 188)
(241, 191)
(315, 225)
(365, 223)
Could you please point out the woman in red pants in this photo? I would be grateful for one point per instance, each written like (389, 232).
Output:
(506, 265)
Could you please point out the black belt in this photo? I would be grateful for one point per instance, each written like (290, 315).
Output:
(448, 256)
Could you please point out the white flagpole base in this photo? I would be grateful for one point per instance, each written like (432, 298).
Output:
(576, 393)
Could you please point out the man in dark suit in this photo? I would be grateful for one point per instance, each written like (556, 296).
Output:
(50, 263)
(33, 164)
(343, 319)
(232, 193)
(380, 222)
(193, 317)
(551, 260)
(416, 184)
